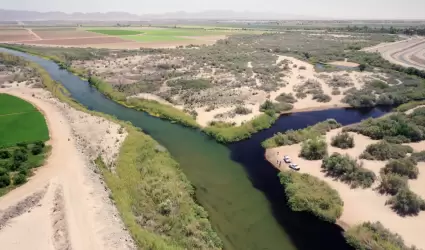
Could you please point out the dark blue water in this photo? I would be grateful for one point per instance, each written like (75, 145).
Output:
(235, 183)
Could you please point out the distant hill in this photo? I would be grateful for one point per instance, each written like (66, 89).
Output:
(22, 15)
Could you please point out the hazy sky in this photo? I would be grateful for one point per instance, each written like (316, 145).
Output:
(397, 9)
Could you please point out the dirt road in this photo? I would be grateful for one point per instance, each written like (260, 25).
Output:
(64, 205)
(408, 53)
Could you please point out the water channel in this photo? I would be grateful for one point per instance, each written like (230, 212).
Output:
(234, 183)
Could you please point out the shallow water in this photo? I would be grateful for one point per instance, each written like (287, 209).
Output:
(234, 183)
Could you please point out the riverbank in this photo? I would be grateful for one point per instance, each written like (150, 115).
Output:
(373, 204)
(135, 194)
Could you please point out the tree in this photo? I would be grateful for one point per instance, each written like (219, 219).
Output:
(314, 149)
(36, 150)
(5, 154)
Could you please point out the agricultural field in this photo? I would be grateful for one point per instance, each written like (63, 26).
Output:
(23, 132)
(114, 37)
(20, 122)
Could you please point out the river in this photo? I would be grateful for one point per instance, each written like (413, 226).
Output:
(234, 183)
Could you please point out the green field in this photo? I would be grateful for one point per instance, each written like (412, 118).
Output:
(118, 32)
(20, 122)
(12, 105)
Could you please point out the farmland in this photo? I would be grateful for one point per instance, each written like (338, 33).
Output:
(114, 37)
(20, 122)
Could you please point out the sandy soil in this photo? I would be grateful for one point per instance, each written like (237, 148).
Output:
(345, 64)
(408, 53)
(361, 205)
(65, 205)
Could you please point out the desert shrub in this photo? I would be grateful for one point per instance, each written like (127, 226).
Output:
(288, 98)
(291, 137)
(343, 140)
(403, 167)
(377, 84)
(195, 84)
(336, 91)
(320, 97)
(405, 202)
(302, 67)
(324, 202)
(410, 105)
(19, 155)
(4, 154)
(240, 110)
(19, 179)
(392, 183)
(382, 151)
(4, 180)
(301, 95)
(418, 156)
(348, 170)
(314, 149)
(368, 236)
(399, 139)
(272, 108)
(398, 125)
(360, 100)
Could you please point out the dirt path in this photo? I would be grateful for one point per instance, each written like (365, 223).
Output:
(34, 34)
(73, 213)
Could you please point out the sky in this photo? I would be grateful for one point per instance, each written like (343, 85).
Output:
(341, 9)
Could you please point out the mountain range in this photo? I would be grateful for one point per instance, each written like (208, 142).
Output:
(23, 15)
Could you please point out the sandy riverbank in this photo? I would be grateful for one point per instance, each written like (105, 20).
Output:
(362, 205)
(65, 205)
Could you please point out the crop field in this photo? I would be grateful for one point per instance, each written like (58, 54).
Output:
(7, 35)
(20, 122)
(117, 32)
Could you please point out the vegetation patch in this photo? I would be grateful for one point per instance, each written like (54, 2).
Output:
(272, 108)
(346, 169)
(404, 167)
(306, 193)
(314, 149)
(410, 126)
(20, 122)
(291, 137)
(383, 150)
(374, 236)
(226, 133)
(288, 98)
(405, 203)
(18, 161)
(194, 84)
(392, 183)
(118, 32)
(343, 140)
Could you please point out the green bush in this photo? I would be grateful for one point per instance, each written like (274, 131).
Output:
(36, 150)
(346, 169)
(288, 98)
(392, 183)
(403, 167)
(396, 125)
(411, 105)
(225, 133)
(399, 139)
(4, 180)
(343, 140)
(405, 202)
(272, 108)
(4, 154)
(314, 149)
(306, 193)
(374, 236)
(19, 179)
(382, 151)
(291, 137)
(195, 84)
